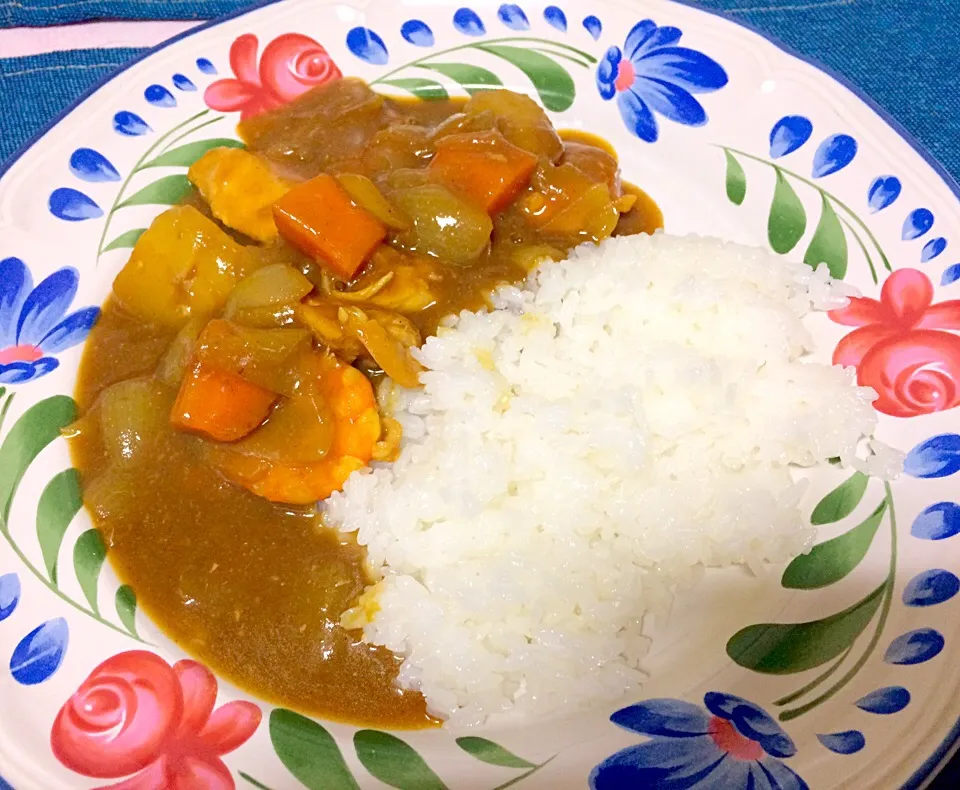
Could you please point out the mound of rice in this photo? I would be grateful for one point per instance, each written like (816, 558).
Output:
(626, 418)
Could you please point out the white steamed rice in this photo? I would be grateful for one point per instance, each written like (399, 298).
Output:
(626, 418)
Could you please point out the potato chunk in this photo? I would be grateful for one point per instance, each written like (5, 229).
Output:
(183, 265)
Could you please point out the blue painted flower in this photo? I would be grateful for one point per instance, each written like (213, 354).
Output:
(732, 744)
(33, 321)
(653, 75)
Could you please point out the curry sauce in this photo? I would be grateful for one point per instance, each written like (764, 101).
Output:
(256, 588)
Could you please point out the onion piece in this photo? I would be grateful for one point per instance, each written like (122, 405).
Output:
(174, 363)
(365, 194)
(444, 225)
(361, 295)
(132, 414)
(272, 285)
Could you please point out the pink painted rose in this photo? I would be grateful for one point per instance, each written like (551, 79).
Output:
(291, 65)
(136, 714)
(900, 347)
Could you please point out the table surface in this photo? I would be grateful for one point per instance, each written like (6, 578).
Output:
(901, 53)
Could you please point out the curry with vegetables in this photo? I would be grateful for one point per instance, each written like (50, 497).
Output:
(231, 381)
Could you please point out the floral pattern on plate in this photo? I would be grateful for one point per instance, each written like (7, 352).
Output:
(135, 714)
(290, 65)
(728, 743)
(167, 729)
(34, 324)
(901, 347)
(652, 76)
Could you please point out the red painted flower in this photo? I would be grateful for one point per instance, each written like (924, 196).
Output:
(137, 715)
(900, 348)
(291, 65)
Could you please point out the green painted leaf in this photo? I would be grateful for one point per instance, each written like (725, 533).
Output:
(786, 648)
(186, 155)
(394, 762)
(60, 501)
(829, 243)
(736, 180)
(124, 240)
(553, 53)
(309, 752)
(88, 555)
(166, 191)
(126, 603)
(830, 561)
(254, 782)
(553, 82)
(787, 220)
(472, 78)
(840, 502)
(37, 427)
(490, 752)
(420, 87)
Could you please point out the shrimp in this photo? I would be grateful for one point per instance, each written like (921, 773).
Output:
(356, 432)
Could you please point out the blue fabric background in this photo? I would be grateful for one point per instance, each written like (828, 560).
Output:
(14, 13)
(35, 89)
(902, 53)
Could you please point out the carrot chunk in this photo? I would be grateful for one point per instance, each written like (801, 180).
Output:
(220, 404)
(319, 219)
(485, 168)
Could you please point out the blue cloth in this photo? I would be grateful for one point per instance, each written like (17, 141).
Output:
(35, 89)
(15, 13)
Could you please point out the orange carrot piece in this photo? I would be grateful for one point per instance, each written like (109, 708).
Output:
(319, 219)
(486, 169)
(219, 404)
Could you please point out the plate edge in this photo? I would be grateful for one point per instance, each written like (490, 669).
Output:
(950, 745)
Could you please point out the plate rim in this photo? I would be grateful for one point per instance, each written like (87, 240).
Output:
(949, 747)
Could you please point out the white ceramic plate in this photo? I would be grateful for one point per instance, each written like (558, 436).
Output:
(733, 137)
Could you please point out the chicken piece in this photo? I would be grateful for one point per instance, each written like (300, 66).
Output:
(240, 190)
(388, 338)
(409, 289)
(321, 318)
(394, 281)
(381, 337)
